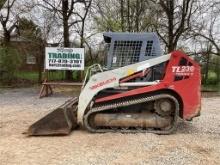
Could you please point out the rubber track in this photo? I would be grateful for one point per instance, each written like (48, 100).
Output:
(133, 102)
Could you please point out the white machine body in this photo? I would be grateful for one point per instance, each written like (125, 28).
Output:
(110, 79)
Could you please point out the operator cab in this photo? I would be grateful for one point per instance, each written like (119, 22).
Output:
(128, 48)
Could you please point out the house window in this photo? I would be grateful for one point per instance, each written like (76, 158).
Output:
(31, 59)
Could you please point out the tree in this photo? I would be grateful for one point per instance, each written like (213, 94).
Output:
(123, 15)
(66, 11)
(135, 16)
(80, 26)
(174, 20)
(5, 20)
(106, 16)
(9, 63)
(208, 28)
(28, 30)
(9, 16)
(205, 31)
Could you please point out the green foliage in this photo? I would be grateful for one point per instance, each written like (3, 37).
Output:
(10, 61)
(107, 24)
(213, 66)
(2, 2)
(52, 75)
(28, 29)
(132, 15)
(212, 78)
(217, 68)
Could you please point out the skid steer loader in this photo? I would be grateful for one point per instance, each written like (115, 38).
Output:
(140, 91)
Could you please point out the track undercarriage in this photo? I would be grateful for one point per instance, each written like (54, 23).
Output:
(156, 114)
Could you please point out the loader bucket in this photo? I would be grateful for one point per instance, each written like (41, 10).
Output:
(60, 121)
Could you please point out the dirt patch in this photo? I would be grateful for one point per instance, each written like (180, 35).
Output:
(195, 142)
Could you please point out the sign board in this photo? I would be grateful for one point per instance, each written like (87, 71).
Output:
(57, 58)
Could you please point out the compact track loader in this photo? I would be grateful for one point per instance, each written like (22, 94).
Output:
(147, 95)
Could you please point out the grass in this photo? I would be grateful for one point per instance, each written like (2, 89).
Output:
(209, 87)
(60, 75)
(33, 76)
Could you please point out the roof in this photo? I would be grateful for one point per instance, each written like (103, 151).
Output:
(128, 36)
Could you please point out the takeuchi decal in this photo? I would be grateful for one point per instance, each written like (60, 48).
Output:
(183, 70)
(102, 83)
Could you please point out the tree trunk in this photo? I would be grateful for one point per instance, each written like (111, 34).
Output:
(80, 73)
(41, 61)
(137, 15)
(7, 37)
(66, 33)
(170, 45)
(128, 16)
(207, 69)
(122, 15)
(82, 34)
(217, 70)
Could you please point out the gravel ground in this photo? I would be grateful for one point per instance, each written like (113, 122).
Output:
(196, 142)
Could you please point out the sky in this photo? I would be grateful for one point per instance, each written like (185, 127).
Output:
(43, 18)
